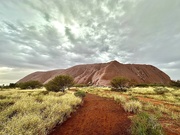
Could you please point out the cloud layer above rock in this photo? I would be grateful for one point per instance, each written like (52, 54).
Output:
(44, 35)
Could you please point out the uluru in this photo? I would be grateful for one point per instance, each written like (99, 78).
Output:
(100, 74)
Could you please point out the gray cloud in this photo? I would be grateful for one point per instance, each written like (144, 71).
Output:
(44, 35)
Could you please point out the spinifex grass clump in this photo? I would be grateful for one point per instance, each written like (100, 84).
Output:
(119, 99)
(145, 124)
(161, 90)
(34, 112)
(132, 106)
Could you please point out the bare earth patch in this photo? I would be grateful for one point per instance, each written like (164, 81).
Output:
(98, 116)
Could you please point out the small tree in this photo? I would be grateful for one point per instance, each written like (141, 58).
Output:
(59, 83)
(120, 83)
(30, 85)
(12, 85)
(175, 83)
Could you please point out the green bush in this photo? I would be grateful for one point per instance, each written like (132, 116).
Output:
(175, 83)
(142, 85)
(59, 83)
(12, 85)
(80, 93)
(122, 89)
(161, 90)
(30, 85)
(145, 124)
(120, 84)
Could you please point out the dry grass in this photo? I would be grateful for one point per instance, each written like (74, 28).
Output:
(171, 97)
(165, 107)
(34, 111)
(119, 99)
(132, 106)
(161, 110)
(145, 124)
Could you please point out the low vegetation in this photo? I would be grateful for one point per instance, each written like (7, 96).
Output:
(30, 85)
(175, 83)
(161, 90)
(145, 124)
(29, 112)
(120, 84)
(132, 106)
(80, 93)
(38, 111)
(119, 99)
(59, 83)
(159, 101)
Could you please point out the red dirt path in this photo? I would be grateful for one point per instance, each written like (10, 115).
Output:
(98, 116)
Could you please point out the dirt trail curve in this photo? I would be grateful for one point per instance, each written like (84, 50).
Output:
(98, 116)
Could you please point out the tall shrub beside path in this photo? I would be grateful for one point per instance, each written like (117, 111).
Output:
(59, 83)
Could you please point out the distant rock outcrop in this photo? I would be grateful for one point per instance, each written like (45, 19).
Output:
(102, 73)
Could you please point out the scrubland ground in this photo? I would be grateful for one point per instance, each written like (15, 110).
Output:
(164, 106)
(30, 112)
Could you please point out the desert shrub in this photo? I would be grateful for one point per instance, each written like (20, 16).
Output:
(12, 85)
(175, 83)
(80, 93)
(120, 83)
(157, 85)
(119, 99)
(161, 90)
(132, 106)
(30, 85)
(122, 89)
(59, 83)
(145, 124)
(142, 85)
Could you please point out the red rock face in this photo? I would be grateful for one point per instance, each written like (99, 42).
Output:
(101, 74)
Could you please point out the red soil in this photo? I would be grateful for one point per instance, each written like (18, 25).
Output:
(171, 127)
(98, 116)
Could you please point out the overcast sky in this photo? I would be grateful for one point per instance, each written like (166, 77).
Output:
(40, 35)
